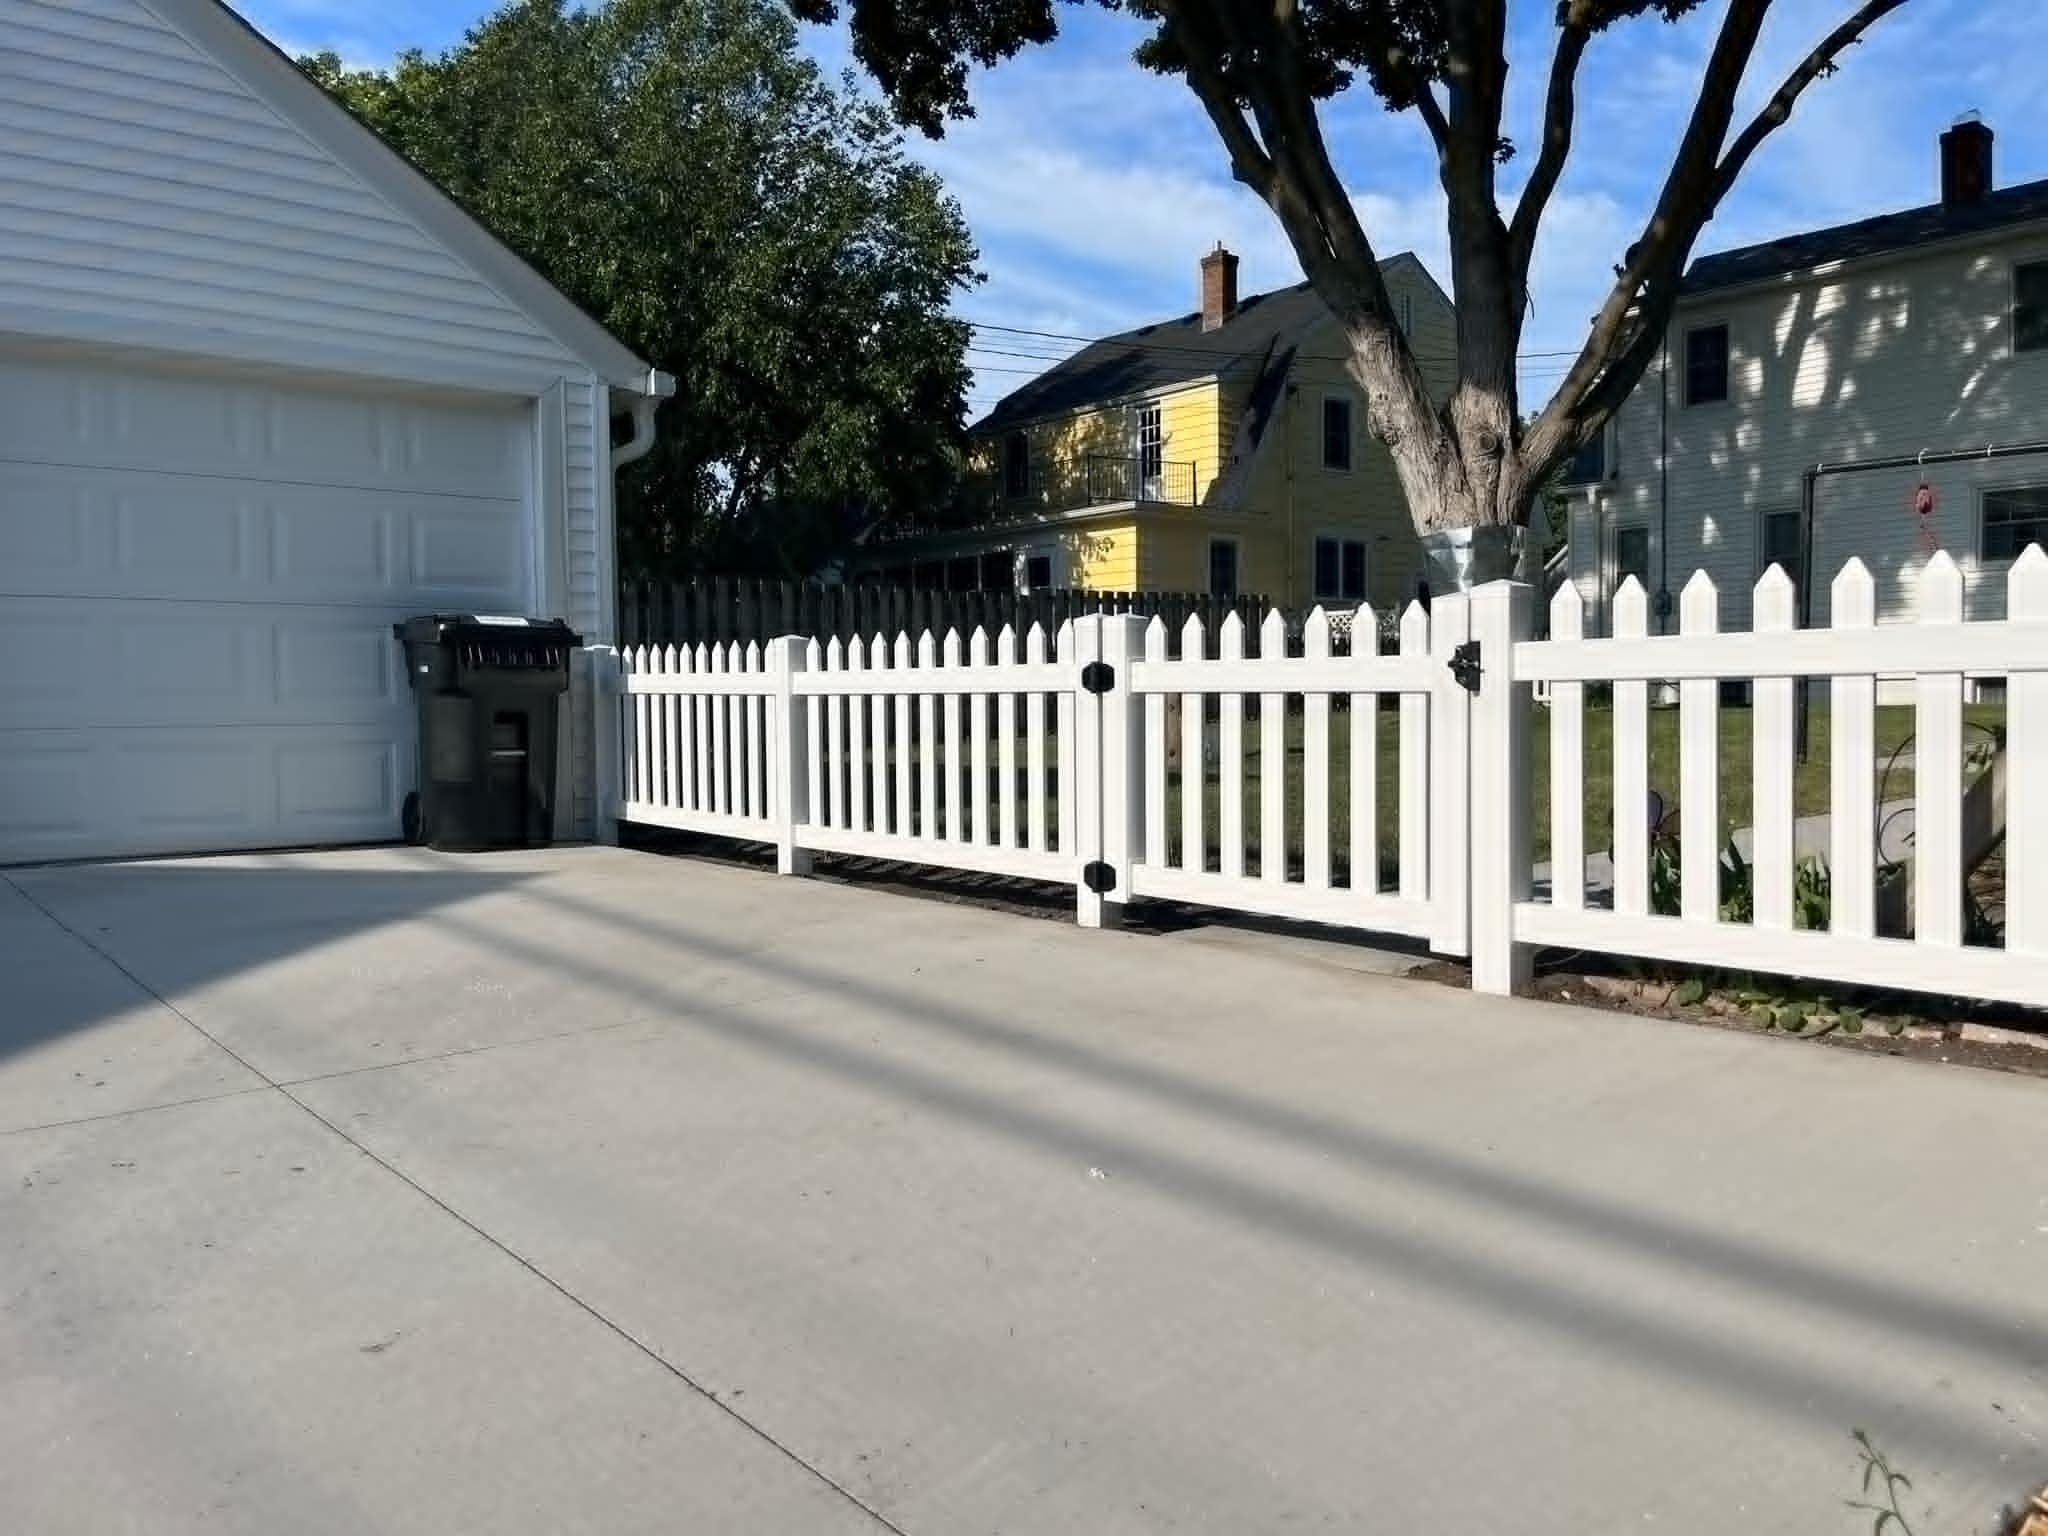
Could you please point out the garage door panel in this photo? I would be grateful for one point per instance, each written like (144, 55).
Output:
(69, 532)
(185, 421)
(148, 663)
(68, 794)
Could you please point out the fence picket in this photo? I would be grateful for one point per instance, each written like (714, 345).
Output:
(977, 742)
(906, 821)
(1852, 764)
(878, 736)
(631, 664)
(952, 763)
(1568, 762)
(1273, 760)
(1036, 789)
(1412, 877)
(815, 808)
(1938, 772)
(1364, 802)
(835, 736)
(1315, 760)
(1230, 755)
(1699, 763)
(2026, 773)
(1006, 742)
(686, 740)
(1155, 751)
(1631, 845)
(1775, 610)
(1193, 833)
(700, 711)
(857, 739)
(927, 743)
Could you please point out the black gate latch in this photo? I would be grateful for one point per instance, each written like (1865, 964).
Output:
(1099, 877)
(1098, 677)
(1465, 666)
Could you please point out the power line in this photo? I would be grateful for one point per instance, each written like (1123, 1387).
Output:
(1167, 346)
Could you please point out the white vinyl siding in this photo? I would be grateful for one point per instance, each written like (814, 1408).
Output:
(151, 195)
(1877, 361)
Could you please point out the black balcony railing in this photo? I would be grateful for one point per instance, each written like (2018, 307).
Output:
(1138, 477)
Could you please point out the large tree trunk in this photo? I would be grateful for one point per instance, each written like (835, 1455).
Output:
(1460, 466)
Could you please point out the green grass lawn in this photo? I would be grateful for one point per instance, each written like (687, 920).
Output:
(1811, 778)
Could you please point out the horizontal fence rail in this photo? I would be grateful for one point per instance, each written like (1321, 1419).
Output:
(1393, 787)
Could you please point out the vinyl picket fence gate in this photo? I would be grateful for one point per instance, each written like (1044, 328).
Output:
(1083, 756)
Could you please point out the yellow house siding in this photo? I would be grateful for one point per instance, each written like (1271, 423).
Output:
(1176, 555)
(1103, 559)
(1060, 447)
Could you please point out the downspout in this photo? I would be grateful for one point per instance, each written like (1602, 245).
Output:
(657, 387)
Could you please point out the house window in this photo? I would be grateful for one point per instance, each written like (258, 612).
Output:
(1340, 570)
(2030, 306)
(1223, 568)
(2014, 517)
(1631, 556)
(1336, 431)
(1038, 573)
(1016, 466)
(1706, 365)
(1779, 544)
(1151, 452)
(1589, 465)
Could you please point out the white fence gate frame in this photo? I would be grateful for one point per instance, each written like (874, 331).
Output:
(1048, 759)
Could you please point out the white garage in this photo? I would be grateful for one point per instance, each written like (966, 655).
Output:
(263, 391)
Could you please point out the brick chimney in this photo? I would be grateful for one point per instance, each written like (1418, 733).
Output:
(1965, 163)
(1219, 287)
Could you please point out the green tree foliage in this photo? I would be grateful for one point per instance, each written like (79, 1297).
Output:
(680, 170)
(1261, 70)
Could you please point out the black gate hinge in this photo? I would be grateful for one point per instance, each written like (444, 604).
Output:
(1098, 677)
(1098, 876)
(1465, 666)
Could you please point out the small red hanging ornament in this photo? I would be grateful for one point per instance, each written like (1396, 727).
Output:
(1924, 503)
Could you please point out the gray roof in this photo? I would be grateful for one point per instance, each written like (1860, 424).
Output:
(1868, 237)
(1157, 356)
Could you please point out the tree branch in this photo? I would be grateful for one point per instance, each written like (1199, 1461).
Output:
(1559, 109)
(1778, 110)
(1631, 325)
(1674, 223)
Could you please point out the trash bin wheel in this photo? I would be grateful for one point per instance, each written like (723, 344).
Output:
(409, 819)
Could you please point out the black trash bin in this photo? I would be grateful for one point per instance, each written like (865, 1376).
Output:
(488, 691)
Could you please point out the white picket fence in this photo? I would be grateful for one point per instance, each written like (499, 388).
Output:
(1085, 757)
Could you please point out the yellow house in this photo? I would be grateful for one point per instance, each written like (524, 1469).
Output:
(1223, 451)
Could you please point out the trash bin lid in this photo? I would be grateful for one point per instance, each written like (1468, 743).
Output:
(452, 626)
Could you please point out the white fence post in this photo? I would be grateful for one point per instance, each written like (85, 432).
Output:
(1447, 793)
(606, 766)
(1499, 789)
(1109, 767)
(788, 757)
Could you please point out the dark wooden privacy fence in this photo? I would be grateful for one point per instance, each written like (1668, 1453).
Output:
(716, 609)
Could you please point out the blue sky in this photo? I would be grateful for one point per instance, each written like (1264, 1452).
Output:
(1092, 188)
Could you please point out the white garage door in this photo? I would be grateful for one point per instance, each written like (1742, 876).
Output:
(198, 577)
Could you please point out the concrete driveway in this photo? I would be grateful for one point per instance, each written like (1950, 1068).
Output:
(593, 1191)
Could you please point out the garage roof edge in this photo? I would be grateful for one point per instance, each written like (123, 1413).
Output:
(236, 45)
